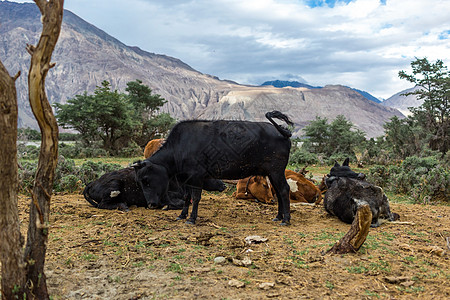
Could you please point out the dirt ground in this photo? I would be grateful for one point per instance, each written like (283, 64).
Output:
(146, 254)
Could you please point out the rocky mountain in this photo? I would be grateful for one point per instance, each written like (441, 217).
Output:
(402, 103)
(282, 83)
(85, 56)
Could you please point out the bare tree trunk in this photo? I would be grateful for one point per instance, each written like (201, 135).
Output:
(52, 12)
(357, 234)
(11, 258)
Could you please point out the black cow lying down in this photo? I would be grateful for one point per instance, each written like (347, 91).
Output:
(196, 151)
(119, 190)
(347, 190)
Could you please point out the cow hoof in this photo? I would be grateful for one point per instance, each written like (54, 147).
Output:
(189, 222)
(276, 219)
(285, 223)
(180, 218)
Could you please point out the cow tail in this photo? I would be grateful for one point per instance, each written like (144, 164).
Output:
(278, 115)
(88, 198)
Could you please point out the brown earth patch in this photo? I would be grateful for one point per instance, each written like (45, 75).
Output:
(146, 254)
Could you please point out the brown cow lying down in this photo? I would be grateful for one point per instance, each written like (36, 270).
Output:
(255, 187)
(302, 189)
(259, 188)
(152, 146)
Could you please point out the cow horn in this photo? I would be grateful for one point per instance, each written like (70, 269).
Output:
(137, 164)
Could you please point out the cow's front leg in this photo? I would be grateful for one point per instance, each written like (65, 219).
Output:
(187, 202)
(196, 195)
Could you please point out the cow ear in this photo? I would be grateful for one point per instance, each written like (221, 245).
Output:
(336, 164)
(346, 161)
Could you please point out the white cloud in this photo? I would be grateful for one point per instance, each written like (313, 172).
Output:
(363, 43)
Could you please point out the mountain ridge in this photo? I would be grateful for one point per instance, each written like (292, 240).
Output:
(86, 55)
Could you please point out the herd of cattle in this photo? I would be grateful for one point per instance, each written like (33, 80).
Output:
(198, 155)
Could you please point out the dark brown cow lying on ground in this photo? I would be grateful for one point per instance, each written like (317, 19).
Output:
(119, 190)
(347, 190)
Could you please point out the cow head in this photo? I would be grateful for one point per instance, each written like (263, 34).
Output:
(344, 171)
(153, 179)
(260, 188)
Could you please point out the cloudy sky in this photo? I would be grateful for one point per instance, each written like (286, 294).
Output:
(358, 43)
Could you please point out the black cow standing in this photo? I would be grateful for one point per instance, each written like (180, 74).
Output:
(199, 150)
(119, 190)
(347, 190)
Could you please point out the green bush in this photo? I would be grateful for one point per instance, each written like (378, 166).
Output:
(28, 151)
(423, 178)
(132, 150)
(27, 172)
(68, 177)
(90, 171)
(302, 157)
(69, 183)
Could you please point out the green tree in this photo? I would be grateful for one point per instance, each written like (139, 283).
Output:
(433, 115)
(339, 137)
(344, 138)
(147, 105)
(318, 134)
(116, 119)
(403, 137)
(107, 115)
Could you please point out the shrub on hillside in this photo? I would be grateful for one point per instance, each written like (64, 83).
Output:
(68, 177)
(302, 157)
(425, 179)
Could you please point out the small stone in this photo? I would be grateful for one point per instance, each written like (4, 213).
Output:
(266, 285)
(255, 239)
(246, 261)
(236, 283)
(407, 283)
(220, 260)
(395, 279)
(237, 262)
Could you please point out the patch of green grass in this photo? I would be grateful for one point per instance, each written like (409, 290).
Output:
(110, 243)
(357, 269)
(411, 289)
(138, 264)
(299, 262)
(175, 267)
(410, 259)
(329, 285)
(371, 294)
(196, 278)
(89, 257)
(399, 198)
(323, 235)
(115, 279)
